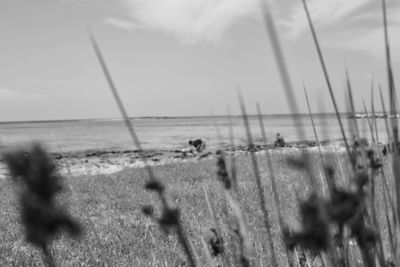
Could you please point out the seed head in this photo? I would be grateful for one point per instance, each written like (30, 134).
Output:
(360, 179)
(222, 172)
(365, 236)
(155, 186)
(343, 206)
(329, 171)
(216, 243)
(244, 262)
(169, 219)
(297, 163)
(148, 210)
(314, 234)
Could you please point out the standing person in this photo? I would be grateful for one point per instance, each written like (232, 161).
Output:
(198, 144)
(279, 141)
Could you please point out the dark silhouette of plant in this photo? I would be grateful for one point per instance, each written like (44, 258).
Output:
(216, 243)
(314, 234)
(222, 172)
(41, 217)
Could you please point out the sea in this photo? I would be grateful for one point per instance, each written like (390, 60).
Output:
(173, 133)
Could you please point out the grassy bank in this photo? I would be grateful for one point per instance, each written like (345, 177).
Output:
(118, 234)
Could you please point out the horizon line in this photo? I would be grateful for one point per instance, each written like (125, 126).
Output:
(164, 117)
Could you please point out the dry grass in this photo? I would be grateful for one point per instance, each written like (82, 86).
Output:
(128, 238)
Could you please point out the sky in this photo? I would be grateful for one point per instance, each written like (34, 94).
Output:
(185, 57)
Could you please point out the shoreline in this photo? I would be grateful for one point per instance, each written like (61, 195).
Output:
(94, 162)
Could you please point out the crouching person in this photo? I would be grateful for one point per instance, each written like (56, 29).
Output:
(198, 144)
(279, 141)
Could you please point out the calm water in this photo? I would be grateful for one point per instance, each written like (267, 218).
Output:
(166, 133)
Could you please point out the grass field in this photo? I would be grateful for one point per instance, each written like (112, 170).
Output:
(118, 234)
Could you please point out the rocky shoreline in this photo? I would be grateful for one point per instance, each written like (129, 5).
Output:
(93, 162)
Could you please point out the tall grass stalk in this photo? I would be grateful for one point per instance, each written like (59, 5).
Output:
(290, 96)
(357, 131)
(277, 202)
(170, 212)
(324, 193)
(385, 191)
(232, 158)
(213, 214)
(48, 258)
(222, 171)
(242, 229)
(392, 238)
(386, 194)
(374, 121)
(206, 252)
(352, 108)
(229, 181)
(312, 122)
(282, 68)
(392, 95)
(331, 184)
(233, 201)
(286, 82)
(328, 83)
(373, 176)
(385, 114)
(391, 85)
(389, 195)
(370, 126)
(257, 175)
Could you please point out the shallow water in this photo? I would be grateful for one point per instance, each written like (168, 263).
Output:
(167, 133)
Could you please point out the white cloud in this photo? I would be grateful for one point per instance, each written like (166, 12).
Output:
(324, 13)
(190, 20)
(199, 20)
(120, 23)
(346, 24)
